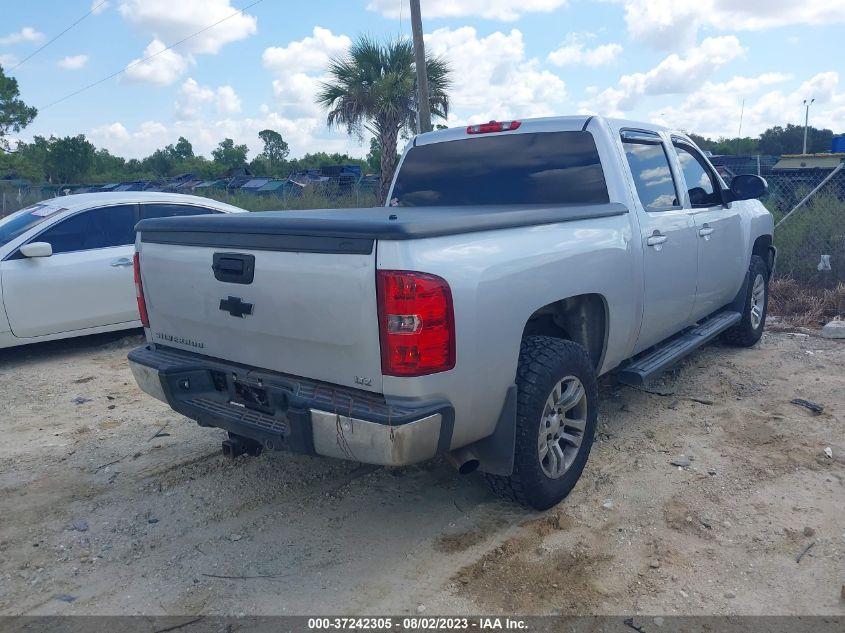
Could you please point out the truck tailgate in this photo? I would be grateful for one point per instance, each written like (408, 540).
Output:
(308, 314)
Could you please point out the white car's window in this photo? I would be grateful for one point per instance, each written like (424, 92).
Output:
(97, 228)
(20, 222)
(172, 210)
(652, 175)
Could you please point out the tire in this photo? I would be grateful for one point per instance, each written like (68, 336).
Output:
(750, 328)
(545, 364)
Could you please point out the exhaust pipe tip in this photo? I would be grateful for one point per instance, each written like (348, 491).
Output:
(469, 466)
(463, 460)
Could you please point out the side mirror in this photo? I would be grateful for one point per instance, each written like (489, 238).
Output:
(748, 187)
(36, 249)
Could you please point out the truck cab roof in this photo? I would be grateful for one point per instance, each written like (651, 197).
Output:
(540, 124)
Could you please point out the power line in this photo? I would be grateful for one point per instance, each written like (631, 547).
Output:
(149, 57)
(42, 47)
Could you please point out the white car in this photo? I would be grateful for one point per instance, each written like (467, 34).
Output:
(66, 263)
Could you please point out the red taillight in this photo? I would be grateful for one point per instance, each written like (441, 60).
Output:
(493, 126)
(139, 291)
(416, 323)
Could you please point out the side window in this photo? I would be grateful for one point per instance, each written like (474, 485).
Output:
(703, 188)
(149, 211)
(652, 174)
(88, 230)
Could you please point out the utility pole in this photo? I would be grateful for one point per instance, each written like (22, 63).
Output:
(807, 105)
(424, 108)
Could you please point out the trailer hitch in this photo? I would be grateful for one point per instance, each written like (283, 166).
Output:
(238, 445)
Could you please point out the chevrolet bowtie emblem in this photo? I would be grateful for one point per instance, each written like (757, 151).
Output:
(236, 306)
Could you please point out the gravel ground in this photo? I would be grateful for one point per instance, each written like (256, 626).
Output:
(113, 504)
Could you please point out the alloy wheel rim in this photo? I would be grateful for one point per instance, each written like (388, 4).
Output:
(562, 426)
(758, 299)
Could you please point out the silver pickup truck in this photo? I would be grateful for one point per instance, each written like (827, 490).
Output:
(515, 263)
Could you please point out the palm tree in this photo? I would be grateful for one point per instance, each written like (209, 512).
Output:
(373, 88)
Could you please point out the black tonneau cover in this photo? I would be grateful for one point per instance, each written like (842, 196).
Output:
(354, 230)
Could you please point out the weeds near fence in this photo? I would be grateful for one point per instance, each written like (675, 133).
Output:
(804, 305)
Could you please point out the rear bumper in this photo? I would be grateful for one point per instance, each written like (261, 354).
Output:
(289, 413)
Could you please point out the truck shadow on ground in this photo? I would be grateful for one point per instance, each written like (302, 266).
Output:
(69, 347)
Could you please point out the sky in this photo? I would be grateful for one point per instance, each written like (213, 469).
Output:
(689, 64)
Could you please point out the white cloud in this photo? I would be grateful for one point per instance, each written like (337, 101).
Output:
(26, 34)
(310, 54)
(674, 75)
(165, 68)
(171, 21)
(300, 67)
(227, 102)
(194, 100)
(73, 62)
(7, 59)
(714, 109)
(575, 52)
(493, 78)
(670, 24)
(505, 10)
(98, 6)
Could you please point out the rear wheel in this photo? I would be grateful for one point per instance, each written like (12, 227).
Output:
(556, 422)
(750, 328)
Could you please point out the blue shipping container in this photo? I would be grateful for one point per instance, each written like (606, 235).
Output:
(838, 144)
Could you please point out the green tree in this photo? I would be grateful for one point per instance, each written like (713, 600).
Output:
(109, 168)
(161, 162)
(69, 159)
(790, 140)
(14, 113)
(276, 150)
(373, 87)
(374, 156)
(230, 156)
(318, 160)
(183, 150)
(31, 159)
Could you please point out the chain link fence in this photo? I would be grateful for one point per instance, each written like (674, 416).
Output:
(808, 205)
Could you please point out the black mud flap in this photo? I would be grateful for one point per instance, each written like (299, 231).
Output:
(495, 452)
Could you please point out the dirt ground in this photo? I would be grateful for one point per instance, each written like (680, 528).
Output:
(112, 504)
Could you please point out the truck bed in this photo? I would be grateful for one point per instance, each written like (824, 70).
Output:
(355, 230)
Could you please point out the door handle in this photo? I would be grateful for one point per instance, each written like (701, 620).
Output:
(123, 262)
(705, 231)
(656, 240)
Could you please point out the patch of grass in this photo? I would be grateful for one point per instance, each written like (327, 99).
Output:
(803, 305)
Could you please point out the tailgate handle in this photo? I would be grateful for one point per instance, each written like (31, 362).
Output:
(233, 268)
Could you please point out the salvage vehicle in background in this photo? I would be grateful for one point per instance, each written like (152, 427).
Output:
(517, 261)
(66, 263)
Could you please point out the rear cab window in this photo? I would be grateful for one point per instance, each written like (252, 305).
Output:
(650, 169)
(549, 168)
